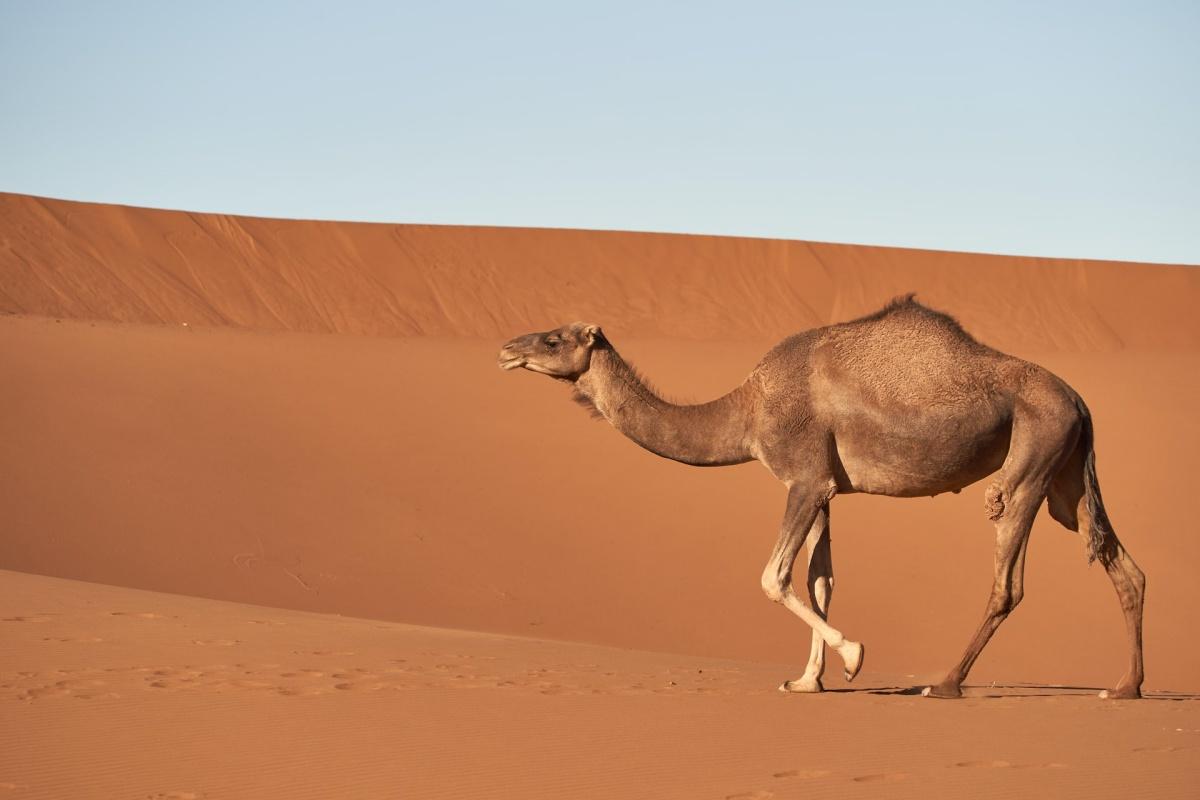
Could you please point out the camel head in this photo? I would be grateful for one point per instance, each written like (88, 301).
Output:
(564, 353)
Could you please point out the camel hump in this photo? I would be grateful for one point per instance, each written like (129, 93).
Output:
(905, 318)
(908, 355)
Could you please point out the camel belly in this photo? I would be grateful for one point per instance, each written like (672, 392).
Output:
(925, 453)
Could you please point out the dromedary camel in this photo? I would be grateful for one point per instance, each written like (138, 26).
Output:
(902, 403)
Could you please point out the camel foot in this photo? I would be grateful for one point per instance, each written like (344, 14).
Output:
(802, 686)
(1121, 693)
(943, 691)
(852, 655)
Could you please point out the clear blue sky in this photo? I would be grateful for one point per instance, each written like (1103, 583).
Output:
(1044, 128)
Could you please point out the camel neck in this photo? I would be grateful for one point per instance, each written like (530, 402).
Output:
(710, 434)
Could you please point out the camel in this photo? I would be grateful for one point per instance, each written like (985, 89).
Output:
(902, 403)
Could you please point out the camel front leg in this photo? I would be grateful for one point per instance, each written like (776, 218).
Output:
(803, 507)
(820, 591)
(1008, 587)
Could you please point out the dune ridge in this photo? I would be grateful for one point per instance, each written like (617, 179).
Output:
(89, 261)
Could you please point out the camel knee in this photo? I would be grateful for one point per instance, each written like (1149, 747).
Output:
(1123, 569)
(1139, 581)
(1003, 602)
(1130, 583)
(774, 586)
(1135, 574)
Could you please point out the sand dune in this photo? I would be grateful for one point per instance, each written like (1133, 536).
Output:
(329, 433)
(100, 262)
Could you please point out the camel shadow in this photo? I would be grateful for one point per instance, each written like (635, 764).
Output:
(1017, 690)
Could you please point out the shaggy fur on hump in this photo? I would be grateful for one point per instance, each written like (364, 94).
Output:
(909, 303)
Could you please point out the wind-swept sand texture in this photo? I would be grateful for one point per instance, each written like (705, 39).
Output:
(392, 472)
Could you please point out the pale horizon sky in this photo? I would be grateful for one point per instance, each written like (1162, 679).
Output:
(1063, 129)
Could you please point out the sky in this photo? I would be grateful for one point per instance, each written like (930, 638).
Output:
(1067, 129)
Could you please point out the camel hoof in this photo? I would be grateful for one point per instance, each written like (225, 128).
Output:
(852, 654)
(802, 686)
(943, 691)
(1121, 693)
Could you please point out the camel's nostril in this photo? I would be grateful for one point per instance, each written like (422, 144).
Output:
(508, 359)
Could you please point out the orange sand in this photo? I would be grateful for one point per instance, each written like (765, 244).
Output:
(392, 472)
(114, 692)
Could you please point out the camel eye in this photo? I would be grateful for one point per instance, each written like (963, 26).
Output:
(552, 343)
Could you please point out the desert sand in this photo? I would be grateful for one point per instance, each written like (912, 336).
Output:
(114, 692)
(276, 525)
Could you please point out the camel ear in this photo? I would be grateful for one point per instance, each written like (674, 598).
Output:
(591, 334)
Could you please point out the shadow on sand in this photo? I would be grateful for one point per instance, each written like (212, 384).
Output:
(1004, 690)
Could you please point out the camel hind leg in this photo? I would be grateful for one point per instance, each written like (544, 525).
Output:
(1075, 502)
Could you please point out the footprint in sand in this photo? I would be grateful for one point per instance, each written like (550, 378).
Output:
(883, 777)
(1167, 749)
(302, 673)
(30, 618)
(802, 773)
(80, 689)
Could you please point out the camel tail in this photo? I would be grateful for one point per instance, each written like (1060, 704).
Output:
(1100, 535)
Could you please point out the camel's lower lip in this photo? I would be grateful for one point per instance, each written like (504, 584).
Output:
(512, 363)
